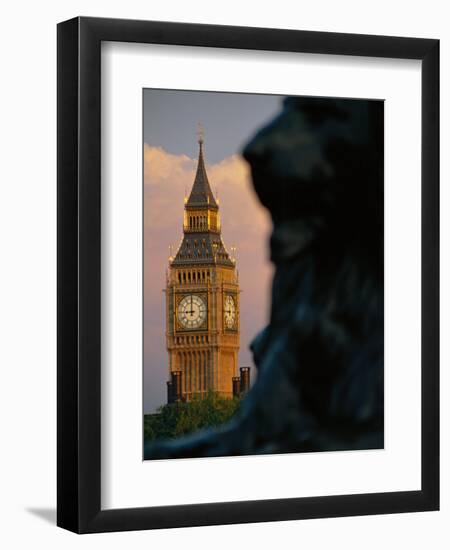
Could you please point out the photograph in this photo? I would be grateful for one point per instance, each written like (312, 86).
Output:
(238, 188)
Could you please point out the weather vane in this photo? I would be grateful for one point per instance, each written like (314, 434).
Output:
(200, 132)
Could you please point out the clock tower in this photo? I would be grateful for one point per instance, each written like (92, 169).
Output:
(202, 301)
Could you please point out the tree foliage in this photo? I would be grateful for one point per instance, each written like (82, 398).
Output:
(177, 419)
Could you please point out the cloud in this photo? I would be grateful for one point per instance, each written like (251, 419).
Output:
(169, 177)
(166, 177)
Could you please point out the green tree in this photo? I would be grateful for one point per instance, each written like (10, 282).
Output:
(182, 418)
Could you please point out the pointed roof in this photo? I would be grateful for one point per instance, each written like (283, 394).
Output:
(201, 194)
(204, 248)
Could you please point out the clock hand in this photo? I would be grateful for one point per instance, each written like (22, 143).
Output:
(191, 311)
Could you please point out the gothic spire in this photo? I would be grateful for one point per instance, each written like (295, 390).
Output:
(201, 194)
(202, 243)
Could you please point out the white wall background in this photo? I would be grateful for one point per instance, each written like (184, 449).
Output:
(28, 274)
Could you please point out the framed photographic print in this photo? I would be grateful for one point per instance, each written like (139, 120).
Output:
(248, 307)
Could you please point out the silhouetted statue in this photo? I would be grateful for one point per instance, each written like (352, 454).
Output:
(318, 168)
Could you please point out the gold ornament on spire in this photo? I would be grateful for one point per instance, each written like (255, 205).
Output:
(200, 133)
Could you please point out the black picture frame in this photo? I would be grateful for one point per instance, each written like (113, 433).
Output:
(79, 275)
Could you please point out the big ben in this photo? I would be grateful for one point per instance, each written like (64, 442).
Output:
(202, 301)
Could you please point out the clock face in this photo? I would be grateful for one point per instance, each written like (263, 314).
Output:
(191, 311)
(230, 312)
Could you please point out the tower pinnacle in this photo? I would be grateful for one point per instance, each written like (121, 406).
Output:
(201, 194)
(202, 243)
(200, 134)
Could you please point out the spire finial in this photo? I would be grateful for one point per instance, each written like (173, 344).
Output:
(200, 133)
